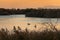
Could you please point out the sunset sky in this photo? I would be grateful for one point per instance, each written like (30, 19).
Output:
(28, 3)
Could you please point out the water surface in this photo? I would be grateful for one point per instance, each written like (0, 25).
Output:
(20, 20)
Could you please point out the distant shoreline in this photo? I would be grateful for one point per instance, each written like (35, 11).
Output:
(39, 13)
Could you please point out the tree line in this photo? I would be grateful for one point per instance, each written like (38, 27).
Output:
(44, 13)
(30, 12)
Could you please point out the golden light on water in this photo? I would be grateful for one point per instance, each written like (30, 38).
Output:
(23, 23)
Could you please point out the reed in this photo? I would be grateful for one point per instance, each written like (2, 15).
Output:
(18, 34)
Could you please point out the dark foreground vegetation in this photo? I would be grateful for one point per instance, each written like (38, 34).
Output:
(30, 12)
(18, 34)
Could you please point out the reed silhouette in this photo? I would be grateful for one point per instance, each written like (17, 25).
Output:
(18, 34)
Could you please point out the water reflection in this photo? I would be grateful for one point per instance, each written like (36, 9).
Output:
(24, 22)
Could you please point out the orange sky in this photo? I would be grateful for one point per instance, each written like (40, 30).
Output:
(28, 3)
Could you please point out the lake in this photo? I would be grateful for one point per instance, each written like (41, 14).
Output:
(20, 20)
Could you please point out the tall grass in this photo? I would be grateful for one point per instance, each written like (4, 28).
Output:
(18, 34)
